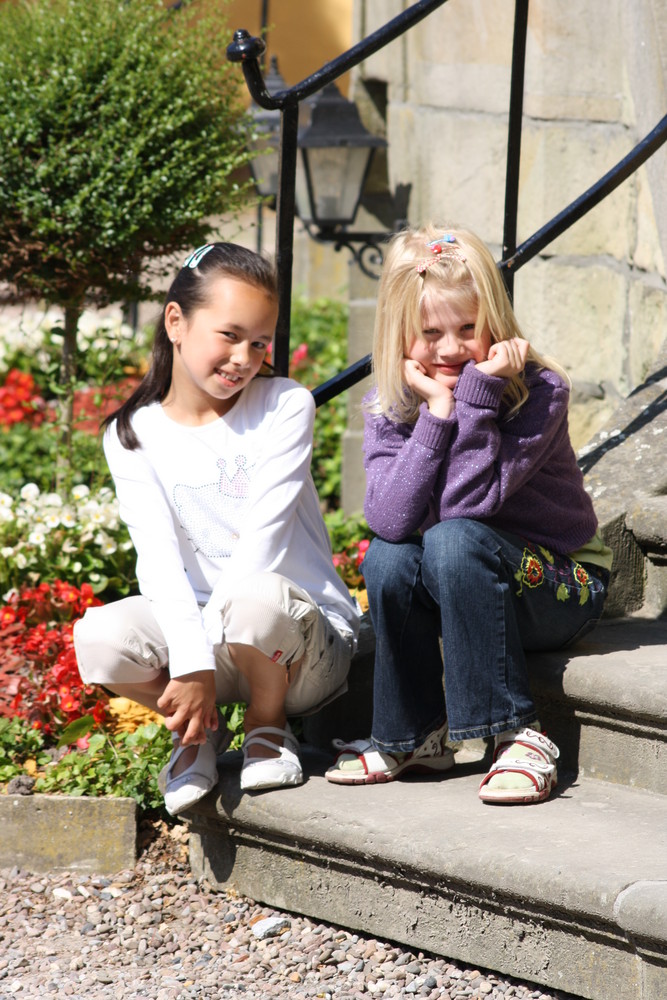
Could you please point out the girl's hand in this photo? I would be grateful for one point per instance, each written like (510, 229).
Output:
(506, 358)
(188, 705)
(438, 397)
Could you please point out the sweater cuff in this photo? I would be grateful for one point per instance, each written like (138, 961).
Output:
(432, 432)
(478, 389)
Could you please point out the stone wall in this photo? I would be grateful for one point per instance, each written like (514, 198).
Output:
(595, 85)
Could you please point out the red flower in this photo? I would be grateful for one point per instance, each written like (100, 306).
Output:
(18, 400)
(99, 712)
(7, 616)
(362, 549)
(41, 681)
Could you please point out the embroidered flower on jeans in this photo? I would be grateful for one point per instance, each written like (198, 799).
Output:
(583, 579)
(531, 571)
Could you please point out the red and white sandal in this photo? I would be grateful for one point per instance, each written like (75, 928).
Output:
(524, 754)
(359, 763)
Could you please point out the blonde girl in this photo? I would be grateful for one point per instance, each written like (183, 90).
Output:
(486, 538)
(239, 597)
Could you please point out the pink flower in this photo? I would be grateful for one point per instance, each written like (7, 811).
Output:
(300, 355)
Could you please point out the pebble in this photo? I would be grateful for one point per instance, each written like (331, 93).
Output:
(156, 933)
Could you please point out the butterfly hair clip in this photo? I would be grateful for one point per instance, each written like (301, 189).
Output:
(443, 244)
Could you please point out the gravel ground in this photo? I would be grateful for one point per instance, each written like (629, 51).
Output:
(155, 932)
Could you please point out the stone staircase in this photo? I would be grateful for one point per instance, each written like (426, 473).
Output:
(571, 893)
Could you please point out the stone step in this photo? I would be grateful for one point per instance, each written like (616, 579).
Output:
(570, 893)
(604, 703)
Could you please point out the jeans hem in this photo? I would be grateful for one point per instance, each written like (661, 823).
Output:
(407, 746)
(480, 732)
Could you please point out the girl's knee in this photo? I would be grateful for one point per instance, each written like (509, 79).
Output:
(391, 565)
(112, 648)
(458, 542)
(270, 613)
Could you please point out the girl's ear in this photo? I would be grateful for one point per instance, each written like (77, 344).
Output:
(173, 322)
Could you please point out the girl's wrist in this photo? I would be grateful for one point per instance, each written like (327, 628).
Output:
(441, 406)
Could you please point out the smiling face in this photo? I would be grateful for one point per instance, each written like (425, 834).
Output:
(218, 350)
(448, 339)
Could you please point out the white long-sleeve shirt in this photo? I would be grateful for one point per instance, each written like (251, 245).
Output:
(207, 506)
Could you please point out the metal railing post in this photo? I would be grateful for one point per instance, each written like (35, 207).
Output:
(514, 135)
(285, 233)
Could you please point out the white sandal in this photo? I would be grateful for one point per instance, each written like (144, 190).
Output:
(538, 764)
(184, 790)
(271, 772)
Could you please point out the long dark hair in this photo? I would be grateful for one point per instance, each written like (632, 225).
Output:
(189, 290)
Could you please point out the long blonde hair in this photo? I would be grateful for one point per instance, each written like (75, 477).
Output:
(461, 265)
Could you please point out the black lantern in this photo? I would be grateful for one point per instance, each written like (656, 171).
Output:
(336, 155)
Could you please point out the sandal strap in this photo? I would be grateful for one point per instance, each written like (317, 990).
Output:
(354, 746)
(196, 768)
(539, 772)
(289, 743)
(369, 757)
(531, 740)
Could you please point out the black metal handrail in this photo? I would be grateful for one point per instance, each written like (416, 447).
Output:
(248, 50)
(532, 246)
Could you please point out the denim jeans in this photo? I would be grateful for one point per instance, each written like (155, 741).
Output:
(490, 596)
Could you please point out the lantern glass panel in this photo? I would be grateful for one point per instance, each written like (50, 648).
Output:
(264, 164)
(336, 177)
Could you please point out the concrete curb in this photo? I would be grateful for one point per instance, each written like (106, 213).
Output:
(53, 832)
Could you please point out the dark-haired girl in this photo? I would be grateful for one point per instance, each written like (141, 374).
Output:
(239, 597)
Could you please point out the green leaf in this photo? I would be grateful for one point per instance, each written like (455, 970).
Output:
(76, 731)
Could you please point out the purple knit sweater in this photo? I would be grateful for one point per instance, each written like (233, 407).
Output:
(519, 475)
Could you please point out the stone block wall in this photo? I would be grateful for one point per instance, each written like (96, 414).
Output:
(595, 85)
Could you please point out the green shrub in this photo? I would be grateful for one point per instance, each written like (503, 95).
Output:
(122, 130)
(319, 341)
(125, 764)
(122, 134)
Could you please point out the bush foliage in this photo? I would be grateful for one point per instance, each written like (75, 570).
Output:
(122, 129)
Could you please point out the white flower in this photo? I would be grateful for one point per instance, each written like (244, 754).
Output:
(37, 537)
(67, 517)
(20, 561)
(106, 544)
(5, 500)
(51, 500)
(30, 492)
(80, 492)
(76, 567)
(6, 515)
(51, 521)
(93, 514)
(6, 552)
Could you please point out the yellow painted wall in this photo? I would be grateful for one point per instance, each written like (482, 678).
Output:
(303, 34)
